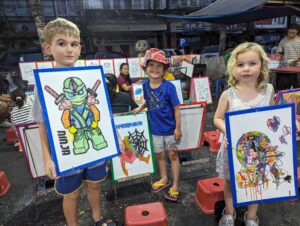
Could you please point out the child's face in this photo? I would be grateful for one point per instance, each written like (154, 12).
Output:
(125, 70)
(247, 68)
(155, 69)
(65, 50)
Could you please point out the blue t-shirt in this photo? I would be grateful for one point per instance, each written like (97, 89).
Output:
(160, 103)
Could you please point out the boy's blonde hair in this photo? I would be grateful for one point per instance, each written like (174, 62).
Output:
(263, 77)
(60, 26)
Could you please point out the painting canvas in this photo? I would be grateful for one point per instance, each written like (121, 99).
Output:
(192, 116)
(200, 90)
(78, 116)
(134, 67)
(138, 159)
(79, 63)
(262, 154)
(92, 62)
(291, 96)
(108, 66)
(26, 69)
(137, 93)
(177, 84)
(117, 64)
(44, 64)
(28, 134)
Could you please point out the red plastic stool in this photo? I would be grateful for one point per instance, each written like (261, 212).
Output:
(11, 135)
(208, 192)
(4, 184)
(212, 137)
(149, 214)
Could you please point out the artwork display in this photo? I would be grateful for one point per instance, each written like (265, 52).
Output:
(26, 69)
(200, 90)
(117, 64)
(134, 67)
(177, 84)
(79, 63)
(28, 134)
(44, 64)
(92, 62)
(138, 159)
(77, 115)
(262, 154)
(137, 93)
(108, 66)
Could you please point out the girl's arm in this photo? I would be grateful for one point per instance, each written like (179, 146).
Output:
(126, 87)
(48, 163)
(222, 108)
(177, 131)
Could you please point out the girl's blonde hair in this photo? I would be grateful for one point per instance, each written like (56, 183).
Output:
(263, 77)
(60, 26)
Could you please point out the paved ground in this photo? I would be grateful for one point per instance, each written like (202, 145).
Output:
(21, 206)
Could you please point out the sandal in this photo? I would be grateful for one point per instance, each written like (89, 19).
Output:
(157, 186)
(105, 222)
(172, 195)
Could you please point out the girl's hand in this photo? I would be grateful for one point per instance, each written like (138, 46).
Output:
(177, 134)
(50, 169)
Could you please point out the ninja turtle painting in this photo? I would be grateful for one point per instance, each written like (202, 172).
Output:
(80, 115)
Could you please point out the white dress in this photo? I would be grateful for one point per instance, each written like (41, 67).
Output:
(235, 103)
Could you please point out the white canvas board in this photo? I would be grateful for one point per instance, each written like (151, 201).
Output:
(138, 159)
(134, 67)
(29, 137)
(177, 84)
(187, 69)
(92, 62)
(79, 105)
(79, 63)
(262, 154)
(26, 69)
(108, 66)
(45, 64)
(117, 64)
(200, 90)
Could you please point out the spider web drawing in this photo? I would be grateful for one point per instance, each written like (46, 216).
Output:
(139, 141)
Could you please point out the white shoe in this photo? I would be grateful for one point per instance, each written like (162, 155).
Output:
(249, 222)
(227, 219)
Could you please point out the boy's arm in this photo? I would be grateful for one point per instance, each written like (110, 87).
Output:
(48, 163)
(222, 108)
(177, 131)
(141, 107)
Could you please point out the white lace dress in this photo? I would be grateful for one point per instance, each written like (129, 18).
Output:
(235, 103)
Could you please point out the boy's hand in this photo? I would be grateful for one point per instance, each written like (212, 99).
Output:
(50, 169)
(177, 134)
(136, 110)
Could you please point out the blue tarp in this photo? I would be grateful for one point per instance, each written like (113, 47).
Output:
(237, 11)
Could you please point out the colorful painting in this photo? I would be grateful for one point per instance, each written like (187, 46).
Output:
(117, 64)
(291, 96)
(28, 134)
(262, 154)
(137, 93)
(134, 67)
(78, 116)
(26, 69)
(200, 90)
(108, 66)
(138, 159)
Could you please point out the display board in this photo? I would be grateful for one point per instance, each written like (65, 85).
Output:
(200, 90)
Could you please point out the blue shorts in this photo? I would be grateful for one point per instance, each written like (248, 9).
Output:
(69, 183)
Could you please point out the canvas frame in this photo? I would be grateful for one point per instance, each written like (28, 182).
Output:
(241, 122)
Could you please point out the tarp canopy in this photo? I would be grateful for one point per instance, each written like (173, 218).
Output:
(237, 11)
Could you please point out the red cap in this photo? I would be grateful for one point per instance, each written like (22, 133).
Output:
(156, 55)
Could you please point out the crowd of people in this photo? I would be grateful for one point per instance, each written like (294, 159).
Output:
(248, 76)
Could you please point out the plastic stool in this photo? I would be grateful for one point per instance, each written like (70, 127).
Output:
(208, 192)
(11, 135)
(212, 137)
(4, 184)
(219, 86)
(149, 214)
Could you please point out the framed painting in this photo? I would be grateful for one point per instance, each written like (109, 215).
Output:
(200, 90)
(44, 64)
(26, 69)
(108, 66)
(291, 96)
(137, 93)
(117, 64)
(70, 99)
(92, 62)
(28, 134)
(192, 125)
(177, 84)
(138, 159)
(262, 154)
(134, 67)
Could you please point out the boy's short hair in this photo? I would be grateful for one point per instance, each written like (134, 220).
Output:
(264, 70)
(60, 26)
(294, 27)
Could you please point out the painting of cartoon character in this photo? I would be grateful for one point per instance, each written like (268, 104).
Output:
(80, 115)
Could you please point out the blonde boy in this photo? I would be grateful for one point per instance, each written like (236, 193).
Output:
(62, 41)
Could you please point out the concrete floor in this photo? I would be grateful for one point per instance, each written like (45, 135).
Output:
(21, 206)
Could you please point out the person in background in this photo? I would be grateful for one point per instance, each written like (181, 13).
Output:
(289, 47)
(168, 76)
(249, 88)
(164, 118)
(124, 80)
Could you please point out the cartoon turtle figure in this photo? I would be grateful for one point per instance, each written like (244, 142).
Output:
(81, 117)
